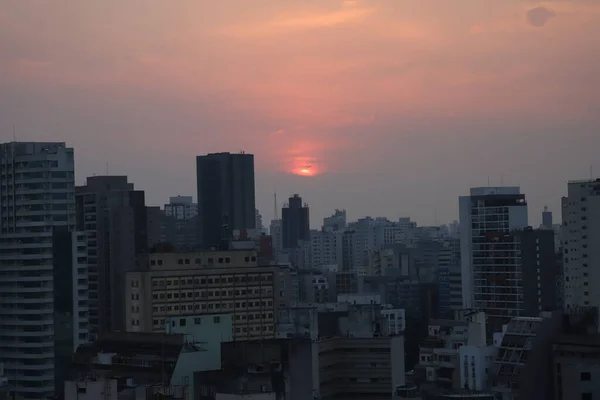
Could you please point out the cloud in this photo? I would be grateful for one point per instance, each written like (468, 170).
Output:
(539, 16)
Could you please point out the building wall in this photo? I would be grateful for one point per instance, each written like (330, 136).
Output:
(576, 370)
(476, 367)
(368, 367)
(91, 390)
(37, 194)
(205, 283)
(580, 236)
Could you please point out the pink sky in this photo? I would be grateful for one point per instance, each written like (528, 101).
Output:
(399, 106)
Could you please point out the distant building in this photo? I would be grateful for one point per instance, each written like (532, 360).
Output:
(226, 196)
(180, 223)
(547, 219)
(336, 221)
(295, 223)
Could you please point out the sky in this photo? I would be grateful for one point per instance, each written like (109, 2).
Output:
(384, 107)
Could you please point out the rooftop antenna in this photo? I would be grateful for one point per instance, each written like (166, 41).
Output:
(14, 133)
(275, 212)
(591, 172)
(501, 179)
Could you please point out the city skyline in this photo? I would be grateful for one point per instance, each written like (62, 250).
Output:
(399, 110)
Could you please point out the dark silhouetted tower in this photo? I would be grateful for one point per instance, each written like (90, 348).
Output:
(295, 222)
(225, 192)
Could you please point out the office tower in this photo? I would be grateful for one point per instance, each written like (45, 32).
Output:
(490, 255)
(213, 282)
(581, 253)
(225, 196)
(37, 199)
(540, 271)
(546, 218)
(114, 217)
(180, 223)
(295, 222)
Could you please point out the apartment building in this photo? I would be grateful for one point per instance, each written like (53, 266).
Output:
(40, 280)
(581, 254)
(205, 283)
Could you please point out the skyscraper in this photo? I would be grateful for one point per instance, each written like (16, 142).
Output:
(114, 216)
(295, 223)
(581, 253)
(490, 254)
(43, 271)
(225, 196)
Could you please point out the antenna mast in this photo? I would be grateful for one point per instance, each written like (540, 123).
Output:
(275, 212)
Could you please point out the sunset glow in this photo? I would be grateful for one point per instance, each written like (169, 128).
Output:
(396, 92)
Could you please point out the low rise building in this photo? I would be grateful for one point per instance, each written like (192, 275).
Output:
(207, 283)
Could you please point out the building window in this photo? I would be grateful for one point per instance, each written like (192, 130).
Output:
(586, 396)
(586, 376)
(182, 322)
(217, 320)
(197, 321)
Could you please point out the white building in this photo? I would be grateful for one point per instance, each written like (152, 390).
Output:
(396, 318)
(323, 247)
(275, 230)
(476, 366)
(581, 253)
(487, 217)
(41, 276)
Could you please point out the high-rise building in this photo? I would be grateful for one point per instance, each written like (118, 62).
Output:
(295, 222)
(490, 254)
(581, 253)
(226, 196)
(336, 221)
(43, 273)
(114, 217)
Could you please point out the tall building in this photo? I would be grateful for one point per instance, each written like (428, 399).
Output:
(490, 254)
(336, 221)
(115, 219)
(295, 222)
(581, 253)
(43, 276)
(540, 270)
(226, 196)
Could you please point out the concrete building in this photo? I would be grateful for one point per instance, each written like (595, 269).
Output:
(328, 352)
(144, 365)
(581, 253)
(575, 367)
(181, 208)
(226, 196)
(490, 258)
(439, 366)
(335, 222)
(114, 217)
(206, 283)
(37, 199)
(179, 225)
(295, 223)
(323, 247)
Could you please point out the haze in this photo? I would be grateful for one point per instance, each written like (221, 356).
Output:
(397, 106)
